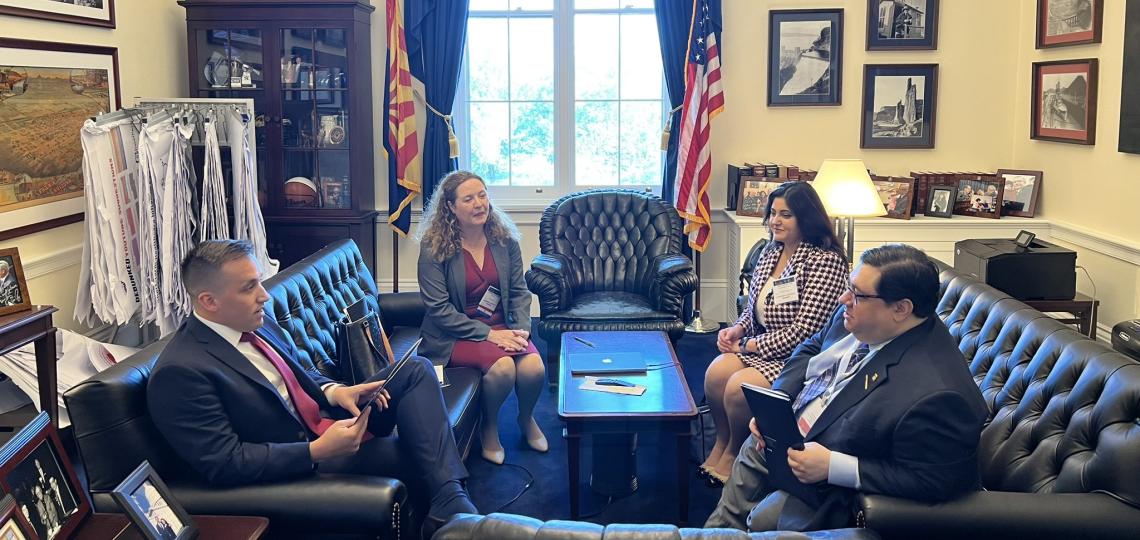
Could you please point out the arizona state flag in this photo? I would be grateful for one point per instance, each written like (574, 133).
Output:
(400, 138)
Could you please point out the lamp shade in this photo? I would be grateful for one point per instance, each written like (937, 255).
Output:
(846, 189)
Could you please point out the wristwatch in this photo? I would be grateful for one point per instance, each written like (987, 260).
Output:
(744, 343)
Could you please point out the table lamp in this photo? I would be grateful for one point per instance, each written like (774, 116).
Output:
(847, 193)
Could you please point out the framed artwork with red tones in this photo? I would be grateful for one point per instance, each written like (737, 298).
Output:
(1064, 101)
(1068, 22)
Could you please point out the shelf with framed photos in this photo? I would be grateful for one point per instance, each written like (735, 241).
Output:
(307, 67)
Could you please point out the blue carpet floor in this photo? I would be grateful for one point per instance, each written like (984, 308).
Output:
(655, 501)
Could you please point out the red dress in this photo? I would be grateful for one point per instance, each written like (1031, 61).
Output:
(482, 354)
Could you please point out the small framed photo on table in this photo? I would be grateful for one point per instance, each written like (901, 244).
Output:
(940, 201)
(13, 525)
(144, 497)
(754, 197)
(980, 197)
(13, 283)
(35, 470)
(896, 194)
(1022, 189)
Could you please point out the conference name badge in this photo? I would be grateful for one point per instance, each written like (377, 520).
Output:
(784, 290)
(490, 302)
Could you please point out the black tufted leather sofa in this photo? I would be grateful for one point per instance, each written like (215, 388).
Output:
(114, 432)
(610, 260)
(1060, 455)
(513, 527)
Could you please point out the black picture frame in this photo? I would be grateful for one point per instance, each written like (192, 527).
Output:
(144, 497)
(1074, 23)
(938, 205)
(1129, 141)
(889, 120)
(35, 469)
(893, 25)
(979, 196)
(809, 43)
(1021, 193)
(1072, 86)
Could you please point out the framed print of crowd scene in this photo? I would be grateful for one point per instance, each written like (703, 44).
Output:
(90, 12)
(144, 497)
(35, 469)
(48, 91)
(13, 283)
(980, 197)
(1064, 101)
(898, 105)
(902, 24)
(805, 56)
(1022, 189)
(754, 197)
(1068, 22)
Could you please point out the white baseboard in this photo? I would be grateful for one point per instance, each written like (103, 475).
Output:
(53, 262)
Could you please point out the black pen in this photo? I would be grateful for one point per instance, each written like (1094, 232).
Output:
(583, 342)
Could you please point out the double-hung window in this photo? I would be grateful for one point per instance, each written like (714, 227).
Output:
(557, 96)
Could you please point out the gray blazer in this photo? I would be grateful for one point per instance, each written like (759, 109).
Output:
(443, 286)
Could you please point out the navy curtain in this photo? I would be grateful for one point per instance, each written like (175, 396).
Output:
(436, 31)
(673, 20)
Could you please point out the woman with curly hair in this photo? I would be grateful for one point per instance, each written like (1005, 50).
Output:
(795, 287)
(478, 306)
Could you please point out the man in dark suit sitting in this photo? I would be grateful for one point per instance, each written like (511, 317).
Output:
(236, 406)
(884, 400)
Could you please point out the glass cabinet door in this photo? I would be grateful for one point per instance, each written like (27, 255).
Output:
(314, 119)
(231, 60)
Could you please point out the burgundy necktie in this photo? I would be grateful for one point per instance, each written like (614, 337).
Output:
(306, 408)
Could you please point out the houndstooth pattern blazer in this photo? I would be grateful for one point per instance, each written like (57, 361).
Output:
(821, 278)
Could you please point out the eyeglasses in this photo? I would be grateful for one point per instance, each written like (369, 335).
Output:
(857, 296)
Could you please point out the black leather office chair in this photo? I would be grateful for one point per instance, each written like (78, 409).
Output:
(610, 260)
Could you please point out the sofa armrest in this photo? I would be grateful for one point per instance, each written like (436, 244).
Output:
(672, 280)
(549, 279)
(1005, 515)
(329, 503)
(400, 309)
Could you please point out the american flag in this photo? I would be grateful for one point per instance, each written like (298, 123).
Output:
(402, 143)
(704, 99)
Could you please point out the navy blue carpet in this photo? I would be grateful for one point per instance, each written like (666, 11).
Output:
(655, 501)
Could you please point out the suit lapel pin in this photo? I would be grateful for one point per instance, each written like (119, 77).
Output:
(874, 377)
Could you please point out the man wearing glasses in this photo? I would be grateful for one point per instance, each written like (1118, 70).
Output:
(883, 398)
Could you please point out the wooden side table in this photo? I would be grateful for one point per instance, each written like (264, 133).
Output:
(35, 325)
(1081, 308)
(119, 527)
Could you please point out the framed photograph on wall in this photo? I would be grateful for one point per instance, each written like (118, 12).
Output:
(897, 194)
(1022, 189)
(805, 56)
(49, 90)
(754, 197)
(902, 24)
(979, 196)
(1068, 22)
(144, 497)
(1063, 104)
(92, 12)
(940, 201)
(35, 469)
(13, 284)
(898, 105)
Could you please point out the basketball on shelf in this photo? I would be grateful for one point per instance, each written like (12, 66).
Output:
(300, 191)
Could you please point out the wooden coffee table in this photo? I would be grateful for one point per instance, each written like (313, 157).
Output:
(666, 406)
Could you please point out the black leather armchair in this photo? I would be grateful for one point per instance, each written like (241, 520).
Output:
(1058, 457)
(610, 260)
(114, 432)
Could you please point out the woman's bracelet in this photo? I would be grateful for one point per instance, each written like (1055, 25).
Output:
(744, 343)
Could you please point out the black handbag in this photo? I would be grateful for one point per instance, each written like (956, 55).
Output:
(358, 356)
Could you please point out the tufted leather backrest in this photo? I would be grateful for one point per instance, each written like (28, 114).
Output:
(109, 415)
(610, 237)
(309, 297)
(1065, 410)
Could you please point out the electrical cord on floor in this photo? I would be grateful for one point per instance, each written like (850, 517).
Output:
(599, 512)
(1093, 283)
(526, 486)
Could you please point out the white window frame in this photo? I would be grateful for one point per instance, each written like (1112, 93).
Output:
(521, 197)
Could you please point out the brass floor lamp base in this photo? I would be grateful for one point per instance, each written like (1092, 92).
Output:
(700, 325)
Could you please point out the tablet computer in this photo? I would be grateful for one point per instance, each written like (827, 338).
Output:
(395, 369)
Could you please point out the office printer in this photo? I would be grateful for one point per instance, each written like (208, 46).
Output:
(1041, 271)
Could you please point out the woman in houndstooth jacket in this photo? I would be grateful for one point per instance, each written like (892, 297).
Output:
(794, 289)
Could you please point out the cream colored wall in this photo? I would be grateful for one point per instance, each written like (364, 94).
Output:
(151, 38)
(1093, 189)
